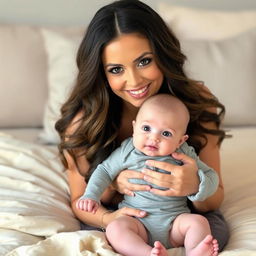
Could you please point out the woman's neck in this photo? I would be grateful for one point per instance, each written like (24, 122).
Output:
(129, 109)
(128, 115)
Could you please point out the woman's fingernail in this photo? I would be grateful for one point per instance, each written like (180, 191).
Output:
(142, 213)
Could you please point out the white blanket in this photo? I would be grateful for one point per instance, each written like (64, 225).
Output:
(36, 219)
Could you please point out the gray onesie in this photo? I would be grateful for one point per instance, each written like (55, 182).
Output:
(161, 210)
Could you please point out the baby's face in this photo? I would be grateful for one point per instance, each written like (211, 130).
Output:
(157, 134)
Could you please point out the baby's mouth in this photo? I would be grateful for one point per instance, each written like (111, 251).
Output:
(151, 147)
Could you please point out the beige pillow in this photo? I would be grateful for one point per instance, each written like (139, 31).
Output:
(192, 23)
(228, 68)
(61, 51)
(23, 83)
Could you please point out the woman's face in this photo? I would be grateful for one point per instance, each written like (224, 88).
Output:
(131, 69)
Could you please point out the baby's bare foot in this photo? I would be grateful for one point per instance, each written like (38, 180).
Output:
(207, 247)
(158, 250)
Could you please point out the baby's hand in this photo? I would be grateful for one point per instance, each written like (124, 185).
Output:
(87, 205)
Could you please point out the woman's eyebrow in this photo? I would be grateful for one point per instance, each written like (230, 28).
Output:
(142, 55)
(112, 65)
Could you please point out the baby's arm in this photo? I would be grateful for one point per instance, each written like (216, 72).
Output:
(100, 179)
(88, 205)
(209, 179)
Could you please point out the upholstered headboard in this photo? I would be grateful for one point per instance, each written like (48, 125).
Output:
(37, 67)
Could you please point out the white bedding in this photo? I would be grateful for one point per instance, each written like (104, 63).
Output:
(36, 219)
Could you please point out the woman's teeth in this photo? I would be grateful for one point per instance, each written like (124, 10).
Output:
(139, 91)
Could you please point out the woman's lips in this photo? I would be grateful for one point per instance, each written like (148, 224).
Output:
(140, 93)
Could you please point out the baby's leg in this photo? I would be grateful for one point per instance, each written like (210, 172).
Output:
(193, 231)
(128, 237)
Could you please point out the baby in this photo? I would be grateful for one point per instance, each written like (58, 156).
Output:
(158, 131)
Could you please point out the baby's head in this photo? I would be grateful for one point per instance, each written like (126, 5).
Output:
(160, 126)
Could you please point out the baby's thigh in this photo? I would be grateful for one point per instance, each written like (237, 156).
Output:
(184, 223)
(125, 225)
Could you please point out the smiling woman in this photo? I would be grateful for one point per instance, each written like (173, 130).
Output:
(127, 55)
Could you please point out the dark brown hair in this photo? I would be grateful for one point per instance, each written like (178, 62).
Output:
(96, 135)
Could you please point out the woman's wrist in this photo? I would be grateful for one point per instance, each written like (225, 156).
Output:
(104, 221)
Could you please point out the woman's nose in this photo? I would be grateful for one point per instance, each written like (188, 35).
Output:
(133, 78)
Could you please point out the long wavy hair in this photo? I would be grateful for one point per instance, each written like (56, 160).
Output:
(96, 135)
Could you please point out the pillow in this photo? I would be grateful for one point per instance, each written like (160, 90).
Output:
(227, 68)
(62, 71)
(23, 82)
(189, 23)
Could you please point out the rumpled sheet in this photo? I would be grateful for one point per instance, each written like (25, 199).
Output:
(36, 219)
(34, 194)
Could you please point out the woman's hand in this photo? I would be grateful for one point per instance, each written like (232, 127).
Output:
(123, 186)
(109, 216)
(183, 180)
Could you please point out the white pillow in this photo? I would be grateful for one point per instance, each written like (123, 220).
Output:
(62, 71)
(23, 89)
(189, 23)
(228, 69)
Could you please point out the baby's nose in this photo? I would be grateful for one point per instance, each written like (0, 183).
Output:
(154, 137)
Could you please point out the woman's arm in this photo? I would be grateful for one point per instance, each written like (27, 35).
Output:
(210, 155)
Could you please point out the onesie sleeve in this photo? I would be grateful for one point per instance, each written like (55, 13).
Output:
(103, 175)
(209, 179)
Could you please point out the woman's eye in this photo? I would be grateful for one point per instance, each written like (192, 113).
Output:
(166, 134)
(144, 62)
(146, 128)
(115, 70)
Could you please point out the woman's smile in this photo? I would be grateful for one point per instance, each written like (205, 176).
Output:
(139, 93)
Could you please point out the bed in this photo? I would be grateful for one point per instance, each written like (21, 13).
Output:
(35, 214)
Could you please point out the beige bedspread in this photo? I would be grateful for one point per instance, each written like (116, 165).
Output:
(36, 219)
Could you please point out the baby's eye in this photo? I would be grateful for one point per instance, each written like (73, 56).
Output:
(144, 62)
(115, 70)
(166, 134)
(146, 128)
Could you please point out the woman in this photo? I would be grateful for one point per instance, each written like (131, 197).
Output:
(127, 55)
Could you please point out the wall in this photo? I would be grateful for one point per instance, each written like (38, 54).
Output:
(79, 12)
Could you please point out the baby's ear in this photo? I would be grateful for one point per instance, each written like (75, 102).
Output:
(183, 139)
